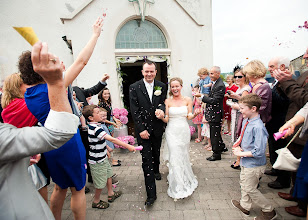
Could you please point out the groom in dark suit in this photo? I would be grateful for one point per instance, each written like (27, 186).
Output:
(214, 113)
(147, 97)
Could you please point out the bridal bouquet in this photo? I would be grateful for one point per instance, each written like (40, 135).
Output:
(121, 114)
(127, 139)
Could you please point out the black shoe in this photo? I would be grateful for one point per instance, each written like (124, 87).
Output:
(150, 201)
(225, 149)
(86, 190)
(157, 176)
(277, 185)
(214, 157)
(238, 167)
(271, 172)
(116, 165)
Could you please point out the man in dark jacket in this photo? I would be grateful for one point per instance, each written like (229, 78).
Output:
(297, 92)
(147, 97)
(82, 94)
(214, 112)
(280, 104)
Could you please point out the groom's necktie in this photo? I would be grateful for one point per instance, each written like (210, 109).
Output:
(150, 91)
(238, 142)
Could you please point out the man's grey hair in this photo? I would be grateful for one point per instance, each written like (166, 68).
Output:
(217, 69)
(283, 60)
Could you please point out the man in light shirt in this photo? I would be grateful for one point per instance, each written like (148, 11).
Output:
(18, 197)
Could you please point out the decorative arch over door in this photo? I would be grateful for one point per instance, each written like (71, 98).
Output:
(138, 40)
(137, 34)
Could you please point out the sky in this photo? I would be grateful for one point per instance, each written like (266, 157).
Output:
(244, 30)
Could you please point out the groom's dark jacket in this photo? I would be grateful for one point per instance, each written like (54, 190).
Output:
(214, 108)
(143, 111)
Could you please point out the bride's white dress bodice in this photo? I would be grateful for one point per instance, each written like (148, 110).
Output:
(182, 181)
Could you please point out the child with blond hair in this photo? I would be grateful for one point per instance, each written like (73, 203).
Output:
(205, 82)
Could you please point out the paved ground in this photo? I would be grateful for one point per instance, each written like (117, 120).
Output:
(218, 184)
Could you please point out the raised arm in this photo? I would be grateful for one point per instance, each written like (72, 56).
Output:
(60, 126)
(48, 67)
(84, 56)
(97, 88)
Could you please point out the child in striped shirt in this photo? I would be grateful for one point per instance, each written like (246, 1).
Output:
(100, 167)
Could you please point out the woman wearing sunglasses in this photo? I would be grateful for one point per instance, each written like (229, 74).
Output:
(236, 117)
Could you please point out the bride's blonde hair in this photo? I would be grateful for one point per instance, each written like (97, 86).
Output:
(174, 79)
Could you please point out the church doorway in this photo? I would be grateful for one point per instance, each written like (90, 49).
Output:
(131, 73)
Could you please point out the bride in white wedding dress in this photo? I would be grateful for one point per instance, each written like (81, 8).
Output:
(181, 179)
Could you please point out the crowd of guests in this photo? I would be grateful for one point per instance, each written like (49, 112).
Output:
(27, 102)
(253, 110)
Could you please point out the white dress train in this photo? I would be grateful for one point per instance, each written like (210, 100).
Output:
(182, 181)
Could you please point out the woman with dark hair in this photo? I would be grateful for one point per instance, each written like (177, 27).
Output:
(67, 165)
(111, 122)
(104, 98)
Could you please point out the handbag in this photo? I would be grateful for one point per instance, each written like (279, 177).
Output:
(286, 160)
(37, 176)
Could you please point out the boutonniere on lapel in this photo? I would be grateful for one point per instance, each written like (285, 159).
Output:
(157, 90)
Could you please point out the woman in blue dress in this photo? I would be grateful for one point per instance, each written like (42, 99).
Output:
(67, 165)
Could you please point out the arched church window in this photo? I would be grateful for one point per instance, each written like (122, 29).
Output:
(137, 34)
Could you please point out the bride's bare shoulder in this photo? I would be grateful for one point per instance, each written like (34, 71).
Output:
(167, 100)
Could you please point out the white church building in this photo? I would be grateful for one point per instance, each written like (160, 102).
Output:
(177, 34)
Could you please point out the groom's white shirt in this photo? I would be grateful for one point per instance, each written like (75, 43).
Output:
(149, 87)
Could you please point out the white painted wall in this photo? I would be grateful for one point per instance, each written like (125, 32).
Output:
(44, 17)
(190, 43)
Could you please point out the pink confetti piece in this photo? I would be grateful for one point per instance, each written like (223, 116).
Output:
(104, 12)
(139, 147)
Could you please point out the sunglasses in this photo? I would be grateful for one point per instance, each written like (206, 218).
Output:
(240, 77)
